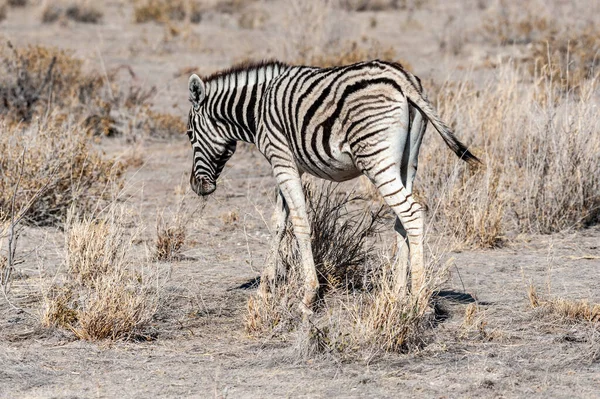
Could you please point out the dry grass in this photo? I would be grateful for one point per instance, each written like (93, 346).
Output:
(343, 226)
(50, 108)
(565, 55)
(38, 80)
(564, 309)
(103, 294)
(359, 313)
(54, 162)
(76, 10)
(164, 125)
(159, 10)
(169, 241)
(3, 8)
(350, 53)
(380, 5)
(165, 11)
(541, 161)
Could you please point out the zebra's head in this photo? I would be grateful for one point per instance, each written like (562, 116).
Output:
(211, 149)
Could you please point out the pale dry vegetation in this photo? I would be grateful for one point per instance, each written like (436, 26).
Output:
(165, 11)
(84, 11)
(565, 309)
(55, 165)
(541, 160)
(50, 109)
(565, 55)
(380, 5)
(359, 314)
(103, 293)
(169, 240)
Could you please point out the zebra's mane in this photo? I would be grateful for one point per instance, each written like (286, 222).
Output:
(242, 70)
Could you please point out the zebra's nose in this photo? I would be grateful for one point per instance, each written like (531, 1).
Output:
(202, 186)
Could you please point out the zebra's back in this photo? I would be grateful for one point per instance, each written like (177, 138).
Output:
(328, 117)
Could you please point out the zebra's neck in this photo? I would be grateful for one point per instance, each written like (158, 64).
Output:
(233, 97)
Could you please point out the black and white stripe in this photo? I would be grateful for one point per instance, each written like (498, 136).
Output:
(334, 123)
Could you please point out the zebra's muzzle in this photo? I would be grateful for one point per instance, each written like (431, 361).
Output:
(202, 186)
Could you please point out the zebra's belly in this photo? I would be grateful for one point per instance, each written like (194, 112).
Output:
(339, 167)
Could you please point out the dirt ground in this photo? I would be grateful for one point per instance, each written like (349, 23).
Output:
(201, 349)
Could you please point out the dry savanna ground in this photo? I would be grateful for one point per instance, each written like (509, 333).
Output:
(117, 281)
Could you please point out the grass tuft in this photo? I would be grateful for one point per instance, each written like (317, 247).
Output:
(102, 295)
(565, 309)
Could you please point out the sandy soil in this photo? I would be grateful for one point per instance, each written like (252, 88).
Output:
(201, 348)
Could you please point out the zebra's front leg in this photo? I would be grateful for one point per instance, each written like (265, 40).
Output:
(274, 267)
(290, 185)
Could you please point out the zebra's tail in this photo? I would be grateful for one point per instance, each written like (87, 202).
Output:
(420, 102)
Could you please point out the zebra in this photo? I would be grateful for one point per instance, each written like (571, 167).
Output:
(334, 123)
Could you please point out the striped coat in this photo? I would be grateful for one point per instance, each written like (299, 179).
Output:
(335, 123)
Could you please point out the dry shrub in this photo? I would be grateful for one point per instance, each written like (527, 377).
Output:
(102, 294)
(76, 10)
(506, 25)
(169, 241)
(380, 5)
(567, 60)
(17, 3)
(31, 75)
(3, 9)
(55, 163)
(565, 309)
(159, 10)
(350, 53)
(166, 11)
(342, 228)
(164, 125)
(37, 79)
(359, 312)
(541, 161)
(566, 55)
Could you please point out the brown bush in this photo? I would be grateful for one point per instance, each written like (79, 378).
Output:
(349, 53)
(77, 10)
(105, 104)
(54, 162)
(25, 88)
(169, 241)
(17, 3)
(164, 125)
(541, 161)
(2, 10)
(565, 309)
(102, 295)
(164, 11)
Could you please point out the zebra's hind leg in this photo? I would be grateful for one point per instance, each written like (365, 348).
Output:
(401, 258)
(274, 268)
(408, 171)
(409, 221)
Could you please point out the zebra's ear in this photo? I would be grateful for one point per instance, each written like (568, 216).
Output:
(197, 92)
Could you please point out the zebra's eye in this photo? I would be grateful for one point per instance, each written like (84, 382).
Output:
(189, 133)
